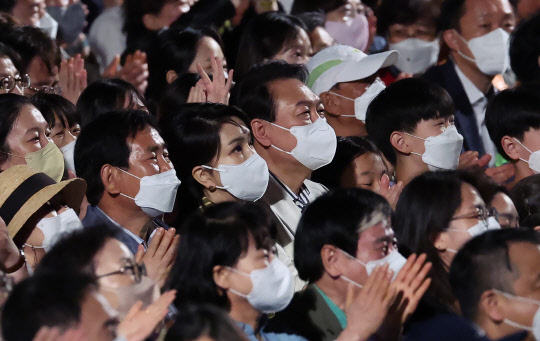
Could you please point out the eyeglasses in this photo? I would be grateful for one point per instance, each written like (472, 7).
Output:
(136, 271)
(56, 90)
(8, 83)
(481, 213)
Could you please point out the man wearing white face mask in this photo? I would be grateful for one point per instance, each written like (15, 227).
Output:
(346, 81)
(291, 135)
(477, 33)
(132, 183)
(494, 278)
(342, 237)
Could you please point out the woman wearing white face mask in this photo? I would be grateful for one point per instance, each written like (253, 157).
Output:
(210, 147)
(37, 210)
(225, 258)
(61, 117)
(436, 214)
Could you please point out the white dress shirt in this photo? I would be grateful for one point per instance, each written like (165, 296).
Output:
(479, 103)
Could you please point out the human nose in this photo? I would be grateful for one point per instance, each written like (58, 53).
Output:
(17, 90)
(164, 164)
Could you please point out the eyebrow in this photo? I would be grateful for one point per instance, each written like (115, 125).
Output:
(389, 237)
(156, 147)
(240, 138)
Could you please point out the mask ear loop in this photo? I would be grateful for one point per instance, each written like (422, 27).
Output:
(527, 149)
(472, 60)
(33, 248)
(220, 171)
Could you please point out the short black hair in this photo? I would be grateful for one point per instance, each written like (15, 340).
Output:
(196, 321)
(106, 95)
(525, 50)
(451, 13)
(52, 106)
(45, 300)
(259, 43)
(252, 93)
(192, 133)
(405, 12)
(104, 141)
(176, 94)
(9, 52)
(486, 186)
(32, 42)
(312, 20)
(421, 215)
(526, 196)
(219, 236)
(401, 106)
(81, 246)
(174, 49)
(335, 218)
(483, 263)
(7, 5)
(348, 149)
(512, 113)
(10, 108)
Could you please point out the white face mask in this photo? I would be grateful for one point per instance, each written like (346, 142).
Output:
(54, 228)
(490, 52)
(443, 150)
(145, 291)
(157, 193)
(273, 287)
(416, 55)
(394, 260)
(481, 227)
(362, 102)
(316, 143)
(68, 151)
(246, 181)
(535, 328)
(534, 158)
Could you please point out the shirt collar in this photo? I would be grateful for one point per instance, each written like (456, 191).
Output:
(473, 93)
(128, 232)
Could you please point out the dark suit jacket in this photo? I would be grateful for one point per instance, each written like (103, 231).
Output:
(445, 75)
(95, 217)
(307, 315)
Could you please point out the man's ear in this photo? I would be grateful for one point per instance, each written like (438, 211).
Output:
(202, 175)
(399, 142)
(451, 39)
(492, 306)
(330, 257)
(109, 178)
(331, 102)
(171, 76)
(511, 147)
(259, 128)
(221, 277)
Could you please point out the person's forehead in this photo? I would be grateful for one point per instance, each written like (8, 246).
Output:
(6, 66)
(377, 231)
(526, 257)
(30, 116)
(149, 137)
(481, 8)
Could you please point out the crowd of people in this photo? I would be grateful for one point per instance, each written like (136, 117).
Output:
(279, 170)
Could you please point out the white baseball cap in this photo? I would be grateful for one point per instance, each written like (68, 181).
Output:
(342, 63)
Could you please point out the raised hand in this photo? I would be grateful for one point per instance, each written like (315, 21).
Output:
(197, 93)
(217, 89)
(134, 71)
(367, 307)
(391, 193)
(160, 255)
(140, 324)
(72, 78)
(501, 174)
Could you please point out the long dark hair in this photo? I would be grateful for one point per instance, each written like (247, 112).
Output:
(219, 236)
(10, 108)
(192, 136)
(175, 50)
(425, 209)
(263, 38)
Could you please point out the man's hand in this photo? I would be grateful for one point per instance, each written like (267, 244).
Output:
(72, 78)
(160, 255)
(134, 71)
(501, 174)
(367, 307)
(139, 324)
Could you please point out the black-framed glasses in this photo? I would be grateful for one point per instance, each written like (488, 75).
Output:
(8, 83)
(131, 268)
(56, 89)
(481, 213)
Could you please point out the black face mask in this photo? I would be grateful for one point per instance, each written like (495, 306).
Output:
(71, 21)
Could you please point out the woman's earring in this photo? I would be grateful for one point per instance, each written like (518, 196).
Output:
(212, 188)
